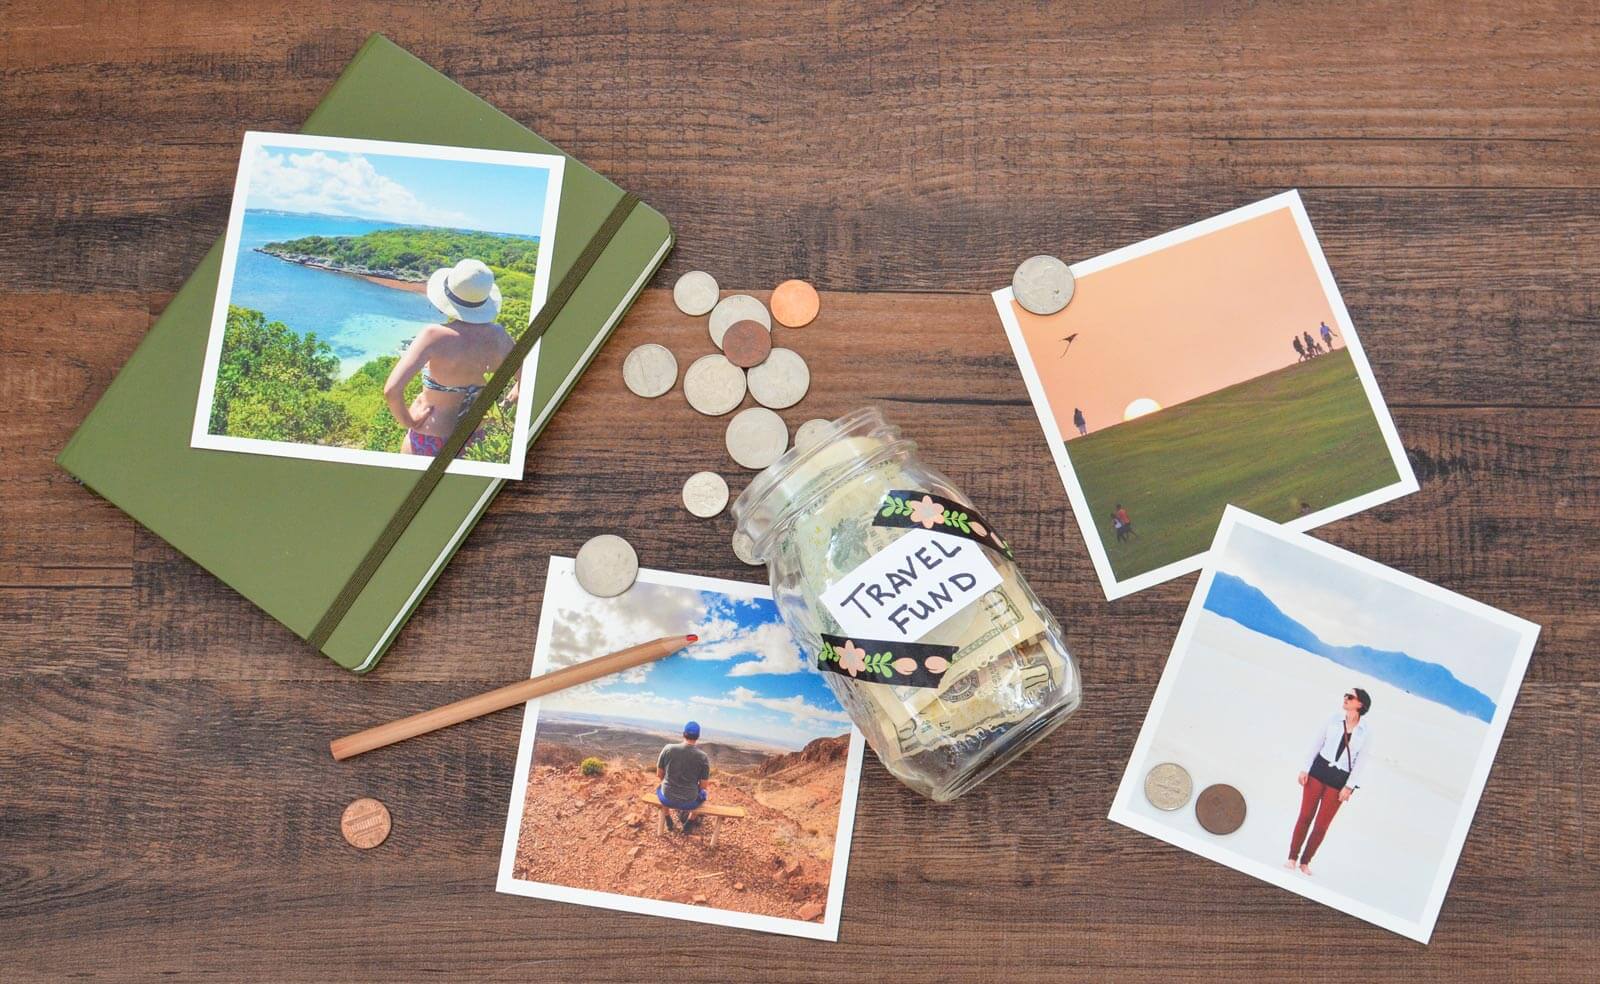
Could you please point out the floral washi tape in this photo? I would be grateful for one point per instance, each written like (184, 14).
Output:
(902, 664)
(907, 508)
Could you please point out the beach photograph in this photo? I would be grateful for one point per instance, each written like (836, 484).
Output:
(715, 785)
(368, 292)
(1355, 709)
(1210, 366)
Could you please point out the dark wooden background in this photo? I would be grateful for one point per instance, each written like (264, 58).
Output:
(167, 805)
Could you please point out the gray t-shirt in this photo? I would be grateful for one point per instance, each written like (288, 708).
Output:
(687, 766)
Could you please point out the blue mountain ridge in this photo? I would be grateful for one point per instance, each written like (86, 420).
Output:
(1235, 598)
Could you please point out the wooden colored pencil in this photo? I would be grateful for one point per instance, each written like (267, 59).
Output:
(507, 696)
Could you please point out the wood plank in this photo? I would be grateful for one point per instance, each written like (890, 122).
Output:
(54, 369)
(168, 806)
(208, 810)
(600, 467)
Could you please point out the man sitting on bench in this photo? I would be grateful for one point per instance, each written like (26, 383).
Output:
(683, 770)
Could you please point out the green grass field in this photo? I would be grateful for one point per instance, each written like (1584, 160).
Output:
(1302, 434)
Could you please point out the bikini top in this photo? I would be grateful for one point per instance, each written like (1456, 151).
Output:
(467, 389)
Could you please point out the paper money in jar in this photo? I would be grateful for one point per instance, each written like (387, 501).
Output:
(911, 604)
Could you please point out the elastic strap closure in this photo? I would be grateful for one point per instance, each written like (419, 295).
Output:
(468, 424)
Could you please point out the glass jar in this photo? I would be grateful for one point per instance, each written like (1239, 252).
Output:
(910, 603)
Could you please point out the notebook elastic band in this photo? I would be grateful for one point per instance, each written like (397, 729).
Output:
(468, 424)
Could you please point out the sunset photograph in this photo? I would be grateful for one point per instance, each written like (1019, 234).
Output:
(1212, 365)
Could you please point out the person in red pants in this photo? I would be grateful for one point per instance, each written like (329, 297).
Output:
(1342, 747)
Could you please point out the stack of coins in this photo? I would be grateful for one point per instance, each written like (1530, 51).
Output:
(745, 362)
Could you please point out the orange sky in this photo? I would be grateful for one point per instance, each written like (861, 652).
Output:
(1179, 323)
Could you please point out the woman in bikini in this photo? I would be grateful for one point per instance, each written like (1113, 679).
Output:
(453, 358)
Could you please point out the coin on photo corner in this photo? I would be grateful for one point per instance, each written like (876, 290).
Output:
(737, 307)
(781, 381)
(1168, 786)
(811, 433)
(649, 370)
(606, 566)
(1043, 284)
(705, 494)
(795, 303)
(745, 549)
(757, 437)
(746, 343)
(713, 385)
(365, 823)
(1220, 809)
(695, 292)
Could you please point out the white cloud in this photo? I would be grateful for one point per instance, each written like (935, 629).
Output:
(770, 643)
(587, 626)
(344, 184)
(795, 706)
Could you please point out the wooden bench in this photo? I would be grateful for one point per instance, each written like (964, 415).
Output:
(716, 811)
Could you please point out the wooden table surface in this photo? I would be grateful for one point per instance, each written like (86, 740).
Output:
(167, 804)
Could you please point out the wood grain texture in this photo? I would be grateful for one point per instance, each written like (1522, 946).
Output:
(167, 804)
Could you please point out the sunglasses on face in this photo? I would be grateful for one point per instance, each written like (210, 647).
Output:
(1350, 697)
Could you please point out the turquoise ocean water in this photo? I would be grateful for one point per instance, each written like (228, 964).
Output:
(358, 319)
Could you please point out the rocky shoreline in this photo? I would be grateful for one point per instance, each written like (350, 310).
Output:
(395, 279)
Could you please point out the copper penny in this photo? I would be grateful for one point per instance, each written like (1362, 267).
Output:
(1220, 809)
(365, 823)
(794, 303)
(746, 343)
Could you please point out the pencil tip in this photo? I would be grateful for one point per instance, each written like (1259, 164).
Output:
(692, 638)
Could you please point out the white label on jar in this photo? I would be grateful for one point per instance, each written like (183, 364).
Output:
(907, 589)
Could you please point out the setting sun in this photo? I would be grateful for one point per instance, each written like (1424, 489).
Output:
(1140, 407)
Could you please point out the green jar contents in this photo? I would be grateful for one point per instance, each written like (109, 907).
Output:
(897, 588)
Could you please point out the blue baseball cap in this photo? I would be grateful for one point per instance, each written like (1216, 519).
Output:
(691, 730)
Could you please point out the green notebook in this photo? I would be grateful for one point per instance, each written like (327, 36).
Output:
(286, 532)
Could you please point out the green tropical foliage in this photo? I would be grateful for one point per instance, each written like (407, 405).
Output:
(276, 385)
(413, 253)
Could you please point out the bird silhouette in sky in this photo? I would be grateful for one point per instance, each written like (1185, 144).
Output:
(1068, 340)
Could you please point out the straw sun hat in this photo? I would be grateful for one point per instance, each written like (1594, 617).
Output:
(465, 292)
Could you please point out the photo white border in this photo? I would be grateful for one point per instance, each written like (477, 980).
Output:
(1214, 849)
(1114, 588)
(555, 167)
(828, 929)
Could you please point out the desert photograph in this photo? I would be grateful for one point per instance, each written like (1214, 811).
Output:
(719, 779)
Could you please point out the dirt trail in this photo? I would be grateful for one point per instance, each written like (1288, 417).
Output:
(592, 832)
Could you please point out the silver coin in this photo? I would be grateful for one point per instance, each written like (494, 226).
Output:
(811, 433)
(737, 307)
(713, 385)
(781, 381)
(606, 566)
(1168, 786)
(1043, 284)
(757, 437)
(705, 494)
(649, 370)
(745, 549)
(695, 292)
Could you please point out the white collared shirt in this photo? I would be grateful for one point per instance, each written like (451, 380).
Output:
(1355, 757)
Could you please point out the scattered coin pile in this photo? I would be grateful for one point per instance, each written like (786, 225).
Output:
(747, 362)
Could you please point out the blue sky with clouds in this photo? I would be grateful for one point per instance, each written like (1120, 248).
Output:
(395, 188)
(745, 676)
